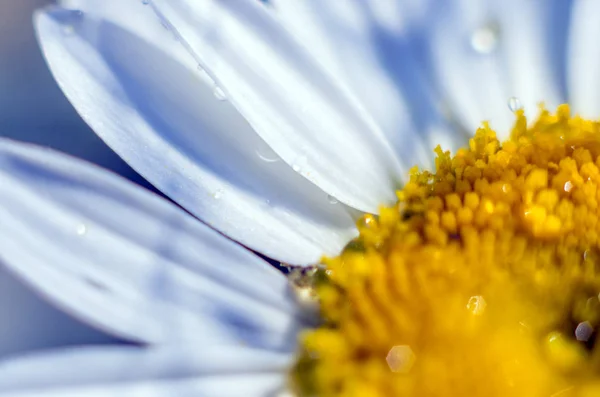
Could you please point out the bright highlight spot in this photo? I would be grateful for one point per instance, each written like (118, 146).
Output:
(400, 359)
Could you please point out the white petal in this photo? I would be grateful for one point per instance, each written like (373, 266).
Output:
(129, 262)
(584, 58)
(485, 53)
(533, 42)
(474, 84)
(115, 371)
(372, 45)
(32, 324)
(304, 113)
(142, 93)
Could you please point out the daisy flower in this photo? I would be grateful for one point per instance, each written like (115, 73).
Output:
(279, 124)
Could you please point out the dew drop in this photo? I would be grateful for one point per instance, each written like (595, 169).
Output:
(401, 359)
(299, 164)
(484, 39)
(476, 305)
(568, 186)
(367, 222)
(331, 199)
(514, 104)
(218, 194)
(219, 93)
(584, 331)
(267, 155)
(81, 229)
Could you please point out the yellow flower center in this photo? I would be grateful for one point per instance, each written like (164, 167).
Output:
(482, 280)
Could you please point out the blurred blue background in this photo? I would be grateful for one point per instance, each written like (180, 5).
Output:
(33, 109)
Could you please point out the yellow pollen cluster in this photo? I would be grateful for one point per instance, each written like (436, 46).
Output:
(482, 280)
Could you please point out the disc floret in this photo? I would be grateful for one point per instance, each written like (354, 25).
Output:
(484, 274)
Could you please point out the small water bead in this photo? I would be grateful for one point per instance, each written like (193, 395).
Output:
(81, 229)
(299, 164)
(584, 331)
(514, 104)
(476, 305)
(219, 93)
(568, 186)
(331, 199)
(484, 39)
(303, 282)
(367, 222)
(401, 359)
(218, 194)
(267, 155)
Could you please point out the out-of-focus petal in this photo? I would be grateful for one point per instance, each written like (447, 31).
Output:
(584, 58)
(374, 46)
(32, 323)
(131, 263)
(217, 371)
(140, 90)
(303, 112)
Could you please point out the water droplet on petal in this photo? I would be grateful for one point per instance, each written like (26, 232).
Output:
(484, 39)
(514, 104)
(218, 194)
(568, 186)
(219, 93)
(81, 229)
(331, 199)
(267, 155)
(299, 164)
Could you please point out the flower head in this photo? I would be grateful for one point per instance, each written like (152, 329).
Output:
(278, 124)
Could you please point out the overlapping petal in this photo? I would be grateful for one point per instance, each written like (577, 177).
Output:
(142, 93)
(217, 371)
(31, 323)
(131, 263)
(303, 112)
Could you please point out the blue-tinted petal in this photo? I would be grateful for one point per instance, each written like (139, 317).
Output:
(374, 46)
(584, 58)
(142, 93)
(302, 111)
(217, 371)
(483, 53)
(32, 323)
(129, 262)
